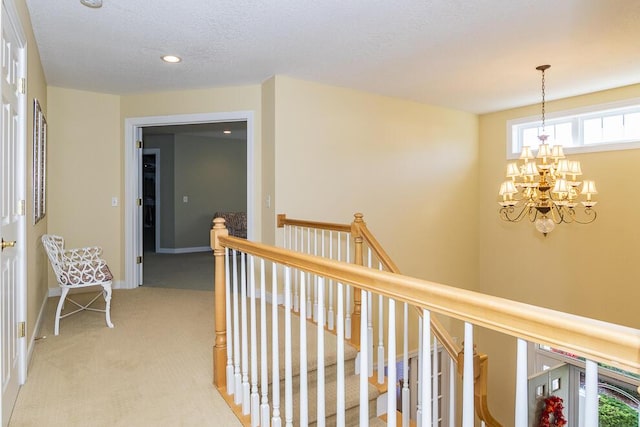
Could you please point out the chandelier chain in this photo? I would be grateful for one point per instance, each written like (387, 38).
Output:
(543, 103)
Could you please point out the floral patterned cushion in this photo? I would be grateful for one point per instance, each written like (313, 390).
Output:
(236, 223)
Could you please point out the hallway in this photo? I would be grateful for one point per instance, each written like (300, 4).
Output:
(153, 369)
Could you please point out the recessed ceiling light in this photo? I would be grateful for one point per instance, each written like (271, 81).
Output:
(172, 59)
(92, 3)
(227, 131)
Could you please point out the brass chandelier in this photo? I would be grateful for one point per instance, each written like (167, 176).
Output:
(544, 187)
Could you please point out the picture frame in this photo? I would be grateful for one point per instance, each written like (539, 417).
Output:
(39, 163)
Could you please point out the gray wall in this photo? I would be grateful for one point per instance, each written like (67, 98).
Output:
(210, 172)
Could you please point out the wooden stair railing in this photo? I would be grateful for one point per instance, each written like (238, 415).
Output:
(360, 233)
(594, 340)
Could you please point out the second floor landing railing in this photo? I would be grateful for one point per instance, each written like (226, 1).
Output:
(264, 265)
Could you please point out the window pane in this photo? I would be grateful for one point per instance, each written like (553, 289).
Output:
(612, 128)
(564, 135)
(592, 131)
(632, 126)
(530, 137)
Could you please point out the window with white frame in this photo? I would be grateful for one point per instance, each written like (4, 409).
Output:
(595, 128)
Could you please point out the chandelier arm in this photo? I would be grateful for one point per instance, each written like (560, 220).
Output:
(507, 211)
(591, 214)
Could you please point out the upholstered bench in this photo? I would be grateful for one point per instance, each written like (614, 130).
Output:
(236, 223)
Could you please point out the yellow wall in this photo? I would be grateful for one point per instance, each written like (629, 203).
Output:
(85, 172)
(410, 168)
(587, 270)
(37, 264)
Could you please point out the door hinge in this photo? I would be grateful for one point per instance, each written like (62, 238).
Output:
(139, 201)
(139, 144)
(22, 330)
(22, 85)
(22, 207)
(138, 260)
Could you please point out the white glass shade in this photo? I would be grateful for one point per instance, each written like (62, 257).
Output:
(526, 154)
(530, 169)
(561, 187)
(574, 168)
(557, 152)
(563, 167)
(513, 170)
(544, 151)
(589, 187)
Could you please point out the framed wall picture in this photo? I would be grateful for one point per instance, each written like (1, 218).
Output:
(39, 163)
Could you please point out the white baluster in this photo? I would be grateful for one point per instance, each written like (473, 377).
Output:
(420, 362)
(347, 320)
(237, 386)
(276, 421)
(436, 386)
(340, 392)
(405, 366)
(320, 420)
(452, 392)
(380, 341)
(227, 276)
(315, 282)
(288, 369)
(255, 397)
(296, 306)
(309, 281)
(304, 391)
(425, 403)
(264, 374)
(591, 394)
(370, 319)
(467, 378)
(522, 401)
(391, 365)
(364, 359)
(330, 321)
(246, 389)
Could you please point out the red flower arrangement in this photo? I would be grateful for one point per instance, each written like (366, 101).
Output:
(552, 405)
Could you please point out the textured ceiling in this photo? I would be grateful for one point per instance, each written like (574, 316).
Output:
(477, 55)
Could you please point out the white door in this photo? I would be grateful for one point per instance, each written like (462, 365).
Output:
(12, 219)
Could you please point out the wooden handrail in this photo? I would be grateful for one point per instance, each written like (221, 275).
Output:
(599, 341)
(283, 220)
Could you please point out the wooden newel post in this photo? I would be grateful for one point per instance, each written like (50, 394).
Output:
(220, 346)
(357, 294)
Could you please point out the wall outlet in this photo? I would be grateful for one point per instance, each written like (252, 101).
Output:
(185, 199)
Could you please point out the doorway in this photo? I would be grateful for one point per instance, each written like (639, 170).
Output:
(134, 207)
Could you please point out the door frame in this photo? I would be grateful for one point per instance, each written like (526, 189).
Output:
(132, 159)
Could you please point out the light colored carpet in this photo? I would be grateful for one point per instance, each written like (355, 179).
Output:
(180, 271)
(153, 369)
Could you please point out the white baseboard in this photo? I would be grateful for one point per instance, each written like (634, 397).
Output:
(36, 330)
(184, 250)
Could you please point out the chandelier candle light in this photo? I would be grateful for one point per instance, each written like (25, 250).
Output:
(544, 187)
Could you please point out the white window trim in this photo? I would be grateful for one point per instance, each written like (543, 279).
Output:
(569, 115)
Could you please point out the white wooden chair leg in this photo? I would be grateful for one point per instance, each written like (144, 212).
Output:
(56, 329)
(107, 300)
